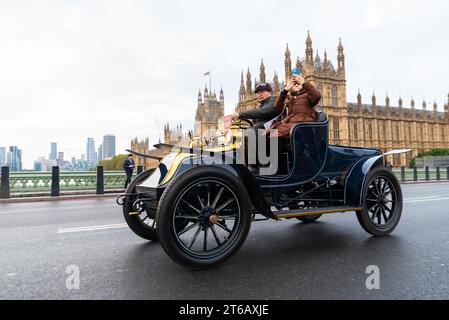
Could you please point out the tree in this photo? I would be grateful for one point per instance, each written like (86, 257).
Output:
(434, 152)
(114, 164)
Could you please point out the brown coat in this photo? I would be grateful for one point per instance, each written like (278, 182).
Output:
(298, 108)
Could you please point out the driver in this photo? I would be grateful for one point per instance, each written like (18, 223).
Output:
(265, 111)
(263, 115)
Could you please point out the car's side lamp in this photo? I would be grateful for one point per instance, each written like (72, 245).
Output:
(235, 125)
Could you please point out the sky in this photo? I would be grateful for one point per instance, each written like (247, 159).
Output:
(70, 70)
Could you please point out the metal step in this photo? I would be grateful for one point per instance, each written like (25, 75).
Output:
(286, 214)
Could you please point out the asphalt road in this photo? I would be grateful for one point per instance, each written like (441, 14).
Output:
(280, 260)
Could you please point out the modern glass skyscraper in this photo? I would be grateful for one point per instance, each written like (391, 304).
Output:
(2, 156)
(100, 153)
(15, 158)
(108, 146)
(91, 152)
(54, 151)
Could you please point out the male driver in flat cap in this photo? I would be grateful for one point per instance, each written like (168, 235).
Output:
(265, 111)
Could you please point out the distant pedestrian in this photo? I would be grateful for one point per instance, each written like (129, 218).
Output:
(128, 166)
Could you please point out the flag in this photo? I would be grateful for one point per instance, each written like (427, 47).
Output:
(227, 120)
(207, 73)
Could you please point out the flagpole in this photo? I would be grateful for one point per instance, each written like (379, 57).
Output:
(210, 82)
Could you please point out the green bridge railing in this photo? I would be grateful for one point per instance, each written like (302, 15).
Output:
(41, 181)
(100, 182)
(54, 182)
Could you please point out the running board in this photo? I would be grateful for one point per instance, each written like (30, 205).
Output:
(287, 214)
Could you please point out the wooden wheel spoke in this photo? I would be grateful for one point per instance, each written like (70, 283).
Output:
(387, 193)
(188, 229)
(196, 210)
(384, 186)
(224, 205)
(205, 240)
(215, 235)
(187, 218)
(214, 204)
(224, 228)
(195, 236)
(373, 191)
(375, 205)
(374, 213)
(234, 217)
(208, 194)
(200, 201)
(377, 186)
(384, 215)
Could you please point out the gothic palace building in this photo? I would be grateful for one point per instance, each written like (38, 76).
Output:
(358, 124)
(355, 124)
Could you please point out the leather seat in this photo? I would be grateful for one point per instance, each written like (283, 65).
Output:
(321, 117)
(285, 145)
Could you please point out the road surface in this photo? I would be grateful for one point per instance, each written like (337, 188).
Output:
(39, 242)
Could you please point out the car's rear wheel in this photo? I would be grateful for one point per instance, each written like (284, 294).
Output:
(309, 219)
(204, 217)
(144, 223)
(382, 203)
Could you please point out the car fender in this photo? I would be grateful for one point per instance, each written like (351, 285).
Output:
(355, 181)
(251, 185)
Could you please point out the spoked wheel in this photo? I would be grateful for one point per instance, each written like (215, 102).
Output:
(144, 223)
(382, 206)
(203, 217)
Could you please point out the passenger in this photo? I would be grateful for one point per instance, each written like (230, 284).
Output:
(297, 103)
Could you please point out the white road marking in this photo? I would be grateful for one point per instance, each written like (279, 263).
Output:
(93, 228)
(424, 200)
(124, 225)
(11, 274)
(421, 198)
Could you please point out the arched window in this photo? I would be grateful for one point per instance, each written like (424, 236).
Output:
(396, 132)
(320, 89)
(356, 129)
(409, 132)
(334, 96)
(370, 130)
(336, 128)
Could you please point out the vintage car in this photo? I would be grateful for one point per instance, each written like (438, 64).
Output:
(201, 210)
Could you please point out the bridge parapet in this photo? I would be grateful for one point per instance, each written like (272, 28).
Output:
(23, 182)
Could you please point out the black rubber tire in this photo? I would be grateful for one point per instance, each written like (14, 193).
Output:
(134, 222)
(167, 203)
(363, 216)
(309, 219)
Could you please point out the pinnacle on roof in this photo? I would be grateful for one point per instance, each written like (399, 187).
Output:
(287, 52)
(309, 39)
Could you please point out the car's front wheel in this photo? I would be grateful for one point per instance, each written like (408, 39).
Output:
(382, 203)
(204, 217)
(141, 223)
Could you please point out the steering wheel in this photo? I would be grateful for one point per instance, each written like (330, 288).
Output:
(245, 123)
